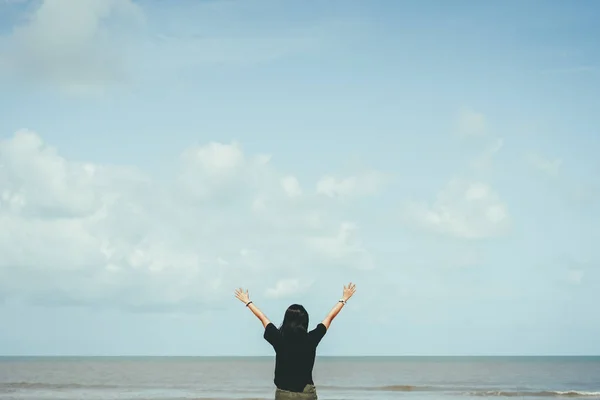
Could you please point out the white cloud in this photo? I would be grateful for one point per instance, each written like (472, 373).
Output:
(81, 233)
(471, 123)
(291, 186)
(79, 45)
(543, 164)
(216, 158)
(363, 184)
(469, 210)
(575, 276)
(344, 247)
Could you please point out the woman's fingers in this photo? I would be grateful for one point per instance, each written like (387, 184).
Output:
(241, 295)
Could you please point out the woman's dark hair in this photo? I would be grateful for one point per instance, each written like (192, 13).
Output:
(295, 322)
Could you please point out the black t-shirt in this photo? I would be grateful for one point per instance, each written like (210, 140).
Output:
(295, 358)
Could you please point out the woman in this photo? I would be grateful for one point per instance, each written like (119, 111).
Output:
(295, 346)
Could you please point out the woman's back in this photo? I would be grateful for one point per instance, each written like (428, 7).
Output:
(295, 356)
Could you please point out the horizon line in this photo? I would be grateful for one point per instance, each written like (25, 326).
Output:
(318, 356)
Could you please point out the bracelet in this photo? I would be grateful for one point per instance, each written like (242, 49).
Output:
(248, 303)
(342, 301)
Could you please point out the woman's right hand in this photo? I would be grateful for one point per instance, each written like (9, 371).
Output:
(348, 291)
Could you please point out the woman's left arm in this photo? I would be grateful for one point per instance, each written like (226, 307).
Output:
(245, 298)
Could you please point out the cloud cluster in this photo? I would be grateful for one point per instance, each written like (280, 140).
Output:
(89, 47)
(367, 183)
(469, 210)
(82, 233)
(79, 45)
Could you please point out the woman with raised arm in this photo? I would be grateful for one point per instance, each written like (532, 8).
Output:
(295, 347)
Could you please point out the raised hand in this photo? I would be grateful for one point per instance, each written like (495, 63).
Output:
(348, 291)
(241, 296)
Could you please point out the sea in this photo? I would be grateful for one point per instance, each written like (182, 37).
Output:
(369, 378)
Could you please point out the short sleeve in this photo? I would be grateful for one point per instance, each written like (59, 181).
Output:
(317, 334)
(272, 335)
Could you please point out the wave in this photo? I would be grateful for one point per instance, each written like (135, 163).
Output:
(41, 385)
(492, 393)
(480, 392)
(542, 393)
(405, 388)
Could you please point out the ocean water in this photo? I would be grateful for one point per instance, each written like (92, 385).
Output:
(409, 378)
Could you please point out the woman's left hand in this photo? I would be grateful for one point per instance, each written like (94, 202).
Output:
(241, 296)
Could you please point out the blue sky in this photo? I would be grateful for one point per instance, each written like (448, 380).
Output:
(156, 155)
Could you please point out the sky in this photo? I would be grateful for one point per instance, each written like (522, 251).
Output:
(156, 155)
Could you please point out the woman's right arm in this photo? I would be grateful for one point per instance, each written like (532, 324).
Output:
(348, 292)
